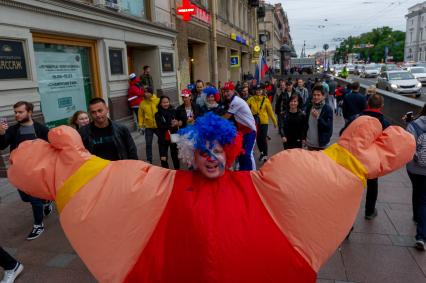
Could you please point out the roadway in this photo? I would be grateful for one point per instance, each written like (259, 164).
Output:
(372, 81)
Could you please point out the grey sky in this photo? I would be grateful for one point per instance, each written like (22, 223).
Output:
(344, 18)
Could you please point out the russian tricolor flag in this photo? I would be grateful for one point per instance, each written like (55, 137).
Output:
(261, 68)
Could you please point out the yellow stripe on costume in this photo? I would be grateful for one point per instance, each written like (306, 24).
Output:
(344, 158)
(81, 177)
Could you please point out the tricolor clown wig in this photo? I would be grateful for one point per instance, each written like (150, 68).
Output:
(202, 136)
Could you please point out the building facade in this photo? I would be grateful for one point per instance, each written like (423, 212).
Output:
(274, 31)
(217, 48)
(60, 54)
(415, 35)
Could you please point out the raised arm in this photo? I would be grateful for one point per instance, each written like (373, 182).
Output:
(102, 204)
(314, 197)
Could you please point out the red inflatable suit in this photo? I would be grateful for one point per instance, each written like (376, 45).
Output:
(133, 222)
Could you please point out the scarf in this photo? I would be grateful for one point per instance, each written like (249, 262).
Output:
(318, 106)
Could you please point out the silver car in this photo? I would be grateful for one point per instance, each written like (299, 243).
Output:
(401, 82)
(419, 73)
(369, 71)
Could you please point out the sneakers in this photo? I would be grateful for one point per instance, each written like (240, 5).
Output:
(10, 275)
(35, 232)
(48, 208)
(371, 216)
(420, 245)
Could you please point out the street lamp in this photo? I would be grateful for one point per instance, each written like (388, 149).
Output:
(285, 49)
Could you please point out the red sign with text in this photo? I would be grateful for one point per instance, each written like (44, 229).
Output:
(186, 10)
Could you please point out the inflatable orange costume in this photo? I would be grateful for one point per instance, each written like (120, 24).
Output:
(133, 222)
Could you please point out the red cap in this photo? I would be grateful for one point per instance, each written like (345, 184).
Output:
(229, 86)
(185, 92)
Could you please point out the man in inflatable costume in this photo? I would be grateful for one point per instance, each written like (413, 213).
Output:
(133, 222)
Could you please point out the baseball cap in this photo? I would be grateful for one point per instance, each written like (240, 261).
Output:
(229, 86)
(185, 92)
(132, 76)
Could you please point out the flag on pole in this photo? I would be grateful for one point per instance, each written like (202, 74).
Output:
(261, 68)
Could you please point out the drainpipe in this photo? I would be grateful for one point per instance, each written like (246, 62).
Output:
(214, 42)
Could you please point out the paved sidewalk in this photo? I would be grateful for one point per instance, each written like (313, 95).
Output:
(377, 251)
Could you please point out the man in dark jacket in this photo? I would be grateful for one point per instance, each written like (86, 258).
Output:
(105, 138)
(320, 121)
(146, 78)
(26, 129)
(374, 109)
(353, 103)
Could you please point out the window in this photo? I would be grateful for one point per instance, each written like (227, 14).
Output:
(134, 7)
(411, 36)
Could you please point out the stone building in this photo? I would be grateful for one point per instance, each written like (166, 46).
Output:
(415, 35)
(235, 36)
(59, 54)
(274, 31)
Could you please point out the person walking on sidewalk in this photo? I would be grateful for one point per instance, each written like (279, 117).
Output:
(293, 124)
(26, 129)
(416, 169)
(105, 138)
(261, 109)
(374, 109)
(146, 78)
(320, 121)
(240, 111)
(135, 93)
(12, 267)
(168, 122)
(146, 121)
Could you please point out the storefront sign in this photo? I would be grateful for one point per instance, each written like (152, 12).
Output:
(116, 61)
(61, 84)
(167, 62)
(235, 61)
(186, 10)
(202, 15)
(239, 39)
(12, 60)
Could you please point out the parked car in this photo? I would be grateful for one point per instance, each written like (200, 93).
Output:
(351, 68)
(419, 73)
(369, 71)
(401, 82)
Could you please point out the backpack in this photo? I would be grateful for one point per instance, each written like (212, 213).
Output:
(420, 155)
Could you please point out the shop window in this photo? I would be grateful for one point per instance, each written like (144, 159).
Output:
(67, 77)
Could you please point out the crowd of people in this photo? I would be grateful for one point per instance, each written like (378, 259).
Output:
(302, 112)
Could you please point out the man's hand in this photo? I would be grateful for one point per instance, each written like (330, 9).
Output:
(284, 139)
(3, 127)
(315, 113)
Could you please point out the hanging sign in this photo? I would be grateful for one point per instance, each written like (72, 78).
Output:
(186, 10)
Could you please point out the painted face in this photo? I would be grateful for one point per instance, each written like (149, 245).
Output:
(211, 163)
(317, 96)
(99, 113)
(83, 120)
(228, 94)
(21, 114)
(165, 103)
(210, 99)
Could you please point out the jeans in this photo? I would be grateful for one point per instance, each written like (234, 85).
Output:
(37, 206)
(371, 198)
(164, 152)
(6, 260)
(246, 160)
(262, 139)
(419, 204)
(149, 135)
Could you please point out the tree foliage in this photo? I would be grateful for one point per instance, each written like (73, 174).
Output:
(380, 38)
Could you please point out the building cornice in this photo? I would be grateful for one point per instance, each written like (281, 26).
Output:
(80, 11)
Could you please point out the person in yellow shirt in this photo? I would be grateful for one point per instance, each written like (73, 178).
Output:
(146, 120)
(261, 108)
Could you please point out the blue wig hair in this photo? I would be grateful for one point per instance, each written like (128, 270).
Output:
(210, 90)
(207, 129)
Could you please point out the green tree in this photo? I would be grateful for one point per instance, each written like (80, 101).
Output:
(380, 38)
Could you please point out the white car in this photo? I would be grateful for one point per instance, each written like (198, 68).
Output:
(369, 71)
(401, 82)
(419, 73)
